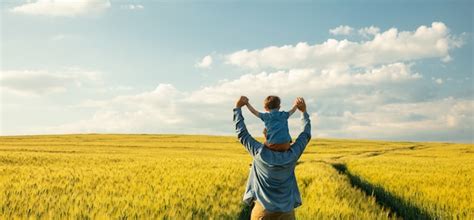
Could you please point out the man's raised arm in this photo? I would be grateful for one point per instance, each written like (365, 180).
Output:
(304, 137)
(245, 138)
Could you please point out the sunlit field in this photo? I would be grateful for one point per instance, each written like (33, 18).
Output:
(435, 178)
(203, 177)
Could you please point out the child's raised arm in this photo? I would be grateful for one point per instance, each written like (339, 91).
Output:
(253, 110)
(293, 109)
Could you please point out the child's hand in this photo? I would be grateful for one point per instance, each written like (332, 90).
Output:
(293, 109)
(295, 103)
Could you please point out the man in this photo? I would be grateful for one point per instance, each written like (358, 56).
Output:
(272, 183)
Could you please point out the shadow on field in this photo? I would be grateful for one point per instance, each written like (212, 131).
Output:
(400, 207)
(245, 212)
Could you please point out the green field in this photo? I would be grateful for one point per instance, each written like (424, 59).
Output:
(203, 177)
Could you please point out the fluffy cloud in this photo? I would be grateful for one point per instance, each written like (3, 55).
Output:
(341, 30)
(369, 31)
(39, 82)
(353, 90)
(387, 47)
(445, 119)
(58, 37)
(206, 62)
(438, 81)
(167, 109)
(358, 115)
(132, 7)
(162, 110)
(299, 82)
(65, 8)
(343, 104)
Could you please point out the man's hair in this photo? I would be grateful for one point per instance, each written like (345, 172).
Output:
(271, 102)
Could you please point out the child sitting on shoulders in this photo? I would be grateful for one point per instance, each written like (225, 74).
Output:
(276, 130)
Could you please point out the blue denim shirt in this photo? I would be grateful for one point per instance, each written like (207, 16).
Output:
(272, 180)
(276, 123)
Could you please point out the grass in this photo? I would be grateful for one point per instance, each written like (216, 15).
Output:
(203, 177)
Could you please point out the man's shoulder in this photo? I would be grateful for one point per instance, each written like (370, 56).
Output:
(284, 159)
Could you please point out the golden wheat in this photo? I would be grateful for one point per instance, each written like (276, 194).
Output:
(203, 177)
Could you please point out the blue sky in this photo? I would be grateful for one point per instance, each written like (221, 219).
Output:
(398, 70)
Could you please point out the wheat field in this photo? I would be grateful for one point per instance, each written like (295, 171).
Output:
(203, 177)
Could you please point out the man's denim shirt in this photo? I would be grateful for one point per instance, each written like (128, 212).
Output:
(272, 180)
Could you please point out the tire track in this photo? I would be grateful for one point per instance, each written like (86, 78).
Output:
(399, 206)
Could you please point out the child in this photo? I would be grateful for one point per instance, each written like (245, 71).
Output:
(276, 123)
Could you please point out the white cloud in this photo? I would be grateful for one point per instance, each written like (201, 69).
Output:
(66, 8)
(447, 59)
(162, 110)
(438, 81)
(58, 37)
(64, 37)
(353, 90)
(387, 73)
(297, 82)
(445, 119)
(206, 62)
(39, 82)
(167, 109)
(343, 104)
(387, 47)
(341, 30)
(132, 7)
(369, 31)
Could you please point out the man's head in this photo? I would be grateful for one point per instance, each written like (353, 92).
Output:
(271, 102)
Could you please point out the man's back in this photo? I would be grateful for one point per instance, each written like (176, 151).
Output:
(275, 180)
(272, 180)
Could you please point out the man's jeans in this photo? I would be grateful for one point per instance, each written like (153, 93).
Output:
(259, 213)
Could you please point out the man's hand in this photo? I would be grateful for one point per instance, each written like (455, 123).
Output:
(241, 102)
(301, 104)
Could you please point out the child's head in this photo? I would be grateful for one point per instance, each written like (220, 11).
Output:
(271, 102)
